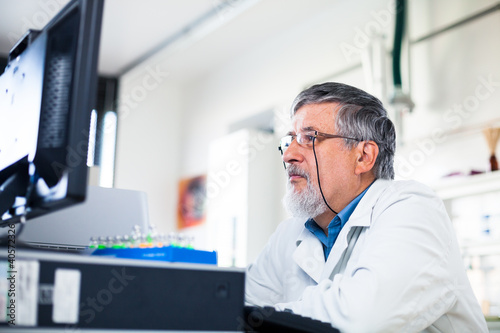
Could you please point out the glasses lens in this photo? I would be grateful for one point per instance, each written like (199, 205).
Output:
(285, 143)
(306, 139)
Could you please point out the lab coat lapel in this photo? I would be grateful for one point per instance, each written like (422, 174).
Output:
(309, 255)
(348, 236)
(343, 247)
(337, 251)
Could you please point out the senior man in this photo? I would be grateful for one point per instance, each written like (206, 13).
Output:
(362, 251)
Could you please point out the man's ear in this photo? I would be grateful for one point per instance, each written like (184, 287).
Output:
(367, 155)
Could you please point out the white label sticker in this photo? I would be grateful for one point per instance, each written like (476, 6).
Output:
(66, 297)
(26, 276)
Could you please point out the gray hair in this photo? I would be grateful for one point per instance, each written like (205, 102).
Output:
(360, 115)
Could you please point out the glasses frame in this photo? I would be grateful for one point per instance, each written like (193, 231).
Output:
(315, 135)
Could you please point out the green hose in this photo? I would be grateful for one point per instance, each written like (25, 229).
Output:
(398, 41)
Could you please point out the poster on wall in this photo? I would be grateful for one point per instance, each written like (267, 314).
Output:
(191, 208)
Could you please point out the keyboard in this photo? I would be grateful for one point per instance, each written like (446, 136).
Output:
(268, 319)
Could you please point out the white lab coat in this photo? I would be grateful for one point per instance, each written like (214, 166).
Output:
(395, 267)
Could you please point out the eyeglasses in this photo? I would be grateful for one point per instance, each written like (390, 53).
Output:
(307, 139)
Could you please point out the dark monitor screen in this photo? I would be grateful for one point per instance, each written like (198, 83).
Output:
(47, 93)
(3, 63)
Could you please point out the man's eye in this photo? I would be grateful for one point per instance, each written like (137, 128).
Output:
(308, 138)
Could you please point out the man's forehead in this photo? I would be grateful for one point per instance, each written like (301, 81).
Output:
(314, 117)
(315, 110)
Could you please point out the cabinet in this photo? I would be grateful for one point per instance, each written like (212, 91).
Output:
(473, 204)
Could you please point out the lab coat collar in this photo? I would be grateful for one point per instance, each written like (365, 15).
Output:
(314, 265)
(361, 217)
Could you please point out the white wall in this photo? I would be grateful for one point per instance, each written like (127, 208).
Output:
(167, 134)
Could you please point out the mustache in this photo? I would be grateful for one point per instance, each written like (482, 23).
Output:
(295, 170)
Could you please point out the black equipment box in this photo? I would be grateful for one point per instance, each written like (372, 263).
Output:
(75, 292)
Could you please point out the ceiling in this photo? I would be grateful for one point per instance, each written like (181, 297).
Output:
(130, 28)
(134, 30)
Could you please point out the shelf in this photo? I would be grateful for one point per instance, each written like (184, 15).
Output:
(460, 186)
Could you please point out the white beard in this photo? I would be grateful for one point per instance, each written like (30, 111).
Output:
(305, 204)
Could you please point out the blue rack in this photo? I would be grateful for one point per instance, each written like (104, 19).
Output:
(167, 253)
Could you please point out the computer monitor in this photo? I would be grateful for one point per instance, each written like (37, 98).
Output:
(47, 92)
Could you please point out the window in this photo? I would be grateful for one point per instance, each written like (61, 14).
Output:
(108, 145)
(104, 121)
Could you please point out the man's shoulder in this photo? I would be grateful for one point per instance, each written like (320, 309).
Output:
(401, 187)
(383, 193)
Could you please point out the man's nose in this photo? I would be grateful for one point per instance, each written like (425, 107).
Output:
(293, 154)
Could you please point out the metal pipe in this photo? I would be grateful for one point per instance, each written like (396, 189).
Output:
(457, 24)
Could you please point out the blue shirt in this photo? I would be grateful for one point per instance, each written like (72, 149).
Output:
(335, 225)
